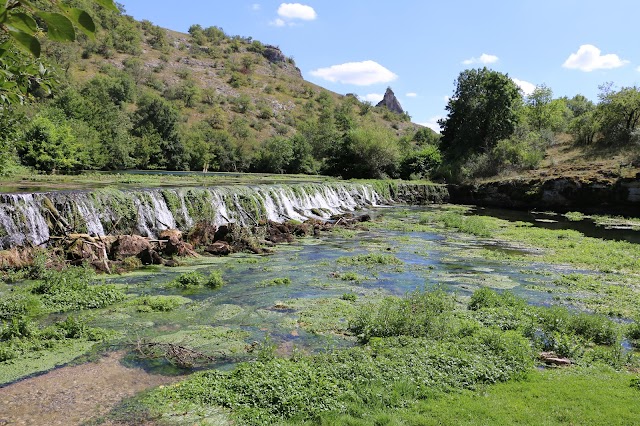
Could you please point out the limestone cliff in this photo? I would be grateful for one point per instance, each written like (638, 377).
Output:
(391, 102)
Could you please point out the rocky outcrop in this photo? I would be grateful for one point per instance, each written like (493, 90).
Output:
(273, 54)
(562, 193)
(391, 102)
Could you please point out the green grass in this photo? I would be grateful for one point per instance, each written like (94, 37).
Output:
(424, 353)
(558, 246)
(575, 216)
(593, 396)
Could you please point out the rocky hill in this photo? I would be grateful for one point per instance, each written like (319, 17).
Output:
(141, 96)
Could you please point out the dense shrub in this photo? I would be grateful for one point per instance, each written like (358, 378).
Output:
(420, 314)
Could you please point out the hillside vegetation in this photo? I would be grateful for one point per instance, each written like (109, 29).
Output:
(140, 96)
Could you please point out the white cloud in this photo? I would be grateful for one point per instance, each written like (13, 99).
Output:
(526, 87)
(411, 95)
(483, 59)
(277, 23)
(359, 73)
(374, 98)
(297, 11)
(446, 99)
(432, 123)
(589, 58)
(256, 7)
(638, 69)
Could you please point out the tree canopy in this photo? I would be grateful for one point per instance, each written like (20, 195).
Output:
(20, 23)
(482, 111)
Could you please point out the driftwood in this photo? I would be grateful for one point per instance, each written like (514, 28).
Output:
(553, 359)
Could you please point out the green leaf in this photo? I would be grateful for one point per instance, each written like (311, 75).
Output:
(59, 27)
(26, 41)
(108, 4)
(21, 22)
(82, 20)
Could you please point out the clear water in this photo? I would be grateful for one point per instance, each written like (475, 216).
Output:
(253, 311)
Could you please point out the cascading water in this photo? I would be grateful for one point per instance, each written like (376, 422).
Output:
(34, 218)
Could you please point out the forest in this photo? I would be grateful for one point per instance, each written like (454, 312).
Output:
(138, 96)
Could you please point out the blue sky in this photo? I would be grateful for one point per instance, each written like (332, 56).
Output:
(418, 48)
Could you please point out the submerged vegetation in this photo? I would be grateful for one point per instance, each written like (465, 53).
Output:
(415, 350)
(372, 347)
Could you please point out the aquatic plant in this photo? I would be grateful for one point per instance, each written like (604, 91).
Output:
(575, 216)
(275, 282)
(159, 303)
(189, 280)
(370, 259)
(214, 280)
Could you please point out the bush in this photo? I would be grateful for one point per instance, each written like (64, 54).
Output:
(419, 314)
(158, 303)
(349, 297)
(474, 225)
(487, 298)
(189, 280)
(19, 305)
(275, 282)
(421, 163)
(597, 329)
(214, 280)
(71, 289)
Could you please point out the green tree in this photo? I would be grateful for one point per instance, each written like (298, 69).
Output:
(302, 160)
(157, 116)
(618, 113)
(275, 155)
(49, 144)
(579, 105)
(482, 111)
(544, 112)
(426, 136)
(367, 151)
(421, 164)
(20, 22)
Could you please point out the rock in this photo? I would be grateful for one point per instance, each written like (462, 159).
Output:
(202, 234)
(167, 234)
(151, 257)
(391, 102)
(273, 54)
(222, 233)
(129, 245)
(219, 248)
(278, 233)
(173, 244)
(554, 359)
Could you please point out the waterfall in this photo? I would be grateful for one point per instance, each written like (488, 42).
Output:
(33, 218)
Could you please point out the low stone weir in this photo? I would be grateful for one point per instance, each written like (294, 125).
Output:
(32, 219)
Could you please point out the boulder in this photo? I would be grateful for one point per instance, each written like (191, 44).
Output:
(129, 245)
(553, 359)
(202, 234)
(219, 248)
(172, 244)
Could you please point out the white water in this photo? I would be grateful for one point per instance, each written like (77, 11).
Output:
(24, 219)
